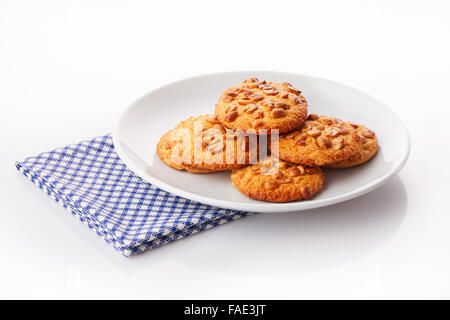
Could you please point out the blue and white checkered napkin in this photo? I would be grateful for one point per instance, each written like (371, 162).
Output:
(92, 182)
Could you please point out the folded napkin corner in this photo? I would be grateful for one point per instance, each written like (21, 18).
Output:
(91, 181)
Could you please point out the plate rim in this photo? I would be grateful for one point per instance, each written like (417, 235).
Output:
(263, 206)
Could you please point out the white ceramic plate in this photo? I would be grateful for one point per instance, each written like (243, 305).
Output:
(141, 125)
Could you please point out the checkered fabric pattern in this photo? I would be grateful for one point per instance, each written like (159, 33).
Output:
(92, 182)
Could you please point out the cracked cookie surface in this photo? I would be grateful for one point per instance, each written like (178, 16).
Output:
(367, 149)
(275, 180)
(255, 105)
(320, 141)
(209, 138)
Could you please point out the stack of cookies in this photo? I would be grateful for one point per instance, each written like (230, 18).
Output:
(255, 116)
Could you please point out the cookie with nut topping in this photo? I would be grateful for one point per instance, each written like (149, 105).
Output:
(275, 180)
(199, 145)
(320, 141)
(366, 151)
(260, 106)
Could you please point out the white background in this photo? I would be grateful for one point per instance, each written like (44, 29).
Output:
(68, 68)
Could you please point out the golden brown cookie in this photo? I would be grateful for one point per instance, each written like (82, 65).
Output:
(367, 149)
(256, 105)
(278, 181)
(199, 145)
(320, 141)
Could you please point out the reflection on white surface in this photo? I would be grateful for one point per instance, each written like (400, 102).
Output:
(305, 241)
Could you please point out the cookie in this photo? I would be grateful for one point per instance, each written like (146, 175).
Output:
(257, 106)
(368, 148)
(278, 181)
(320, 141)
(199, 145)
